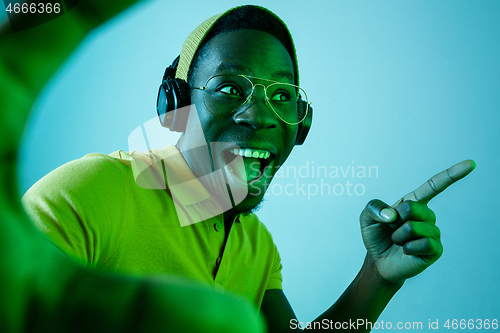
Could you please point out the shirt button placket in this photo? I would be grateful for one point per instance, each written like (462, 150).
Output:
(219, 240)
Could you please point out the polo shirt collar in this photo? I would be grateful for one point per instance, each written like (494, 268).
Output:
(177, 172)
(170, 160)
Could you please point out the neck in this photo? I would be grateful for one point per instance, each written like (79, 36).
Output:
(229, 217)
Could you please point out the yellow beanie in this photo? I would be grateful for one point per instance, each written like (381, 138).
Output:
(195, 39)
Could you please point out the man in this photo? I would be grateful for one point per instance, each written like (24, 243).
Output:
(42, 291)
(237, 69)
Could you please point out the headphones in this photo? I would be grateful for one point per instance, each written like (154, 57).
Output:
(174, 96)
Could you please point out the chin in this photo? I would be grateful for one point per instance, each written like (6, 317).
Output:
(247, 207)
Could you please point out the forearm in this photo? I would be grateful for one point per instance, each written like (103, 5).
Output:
(364, 299)
(28, 59)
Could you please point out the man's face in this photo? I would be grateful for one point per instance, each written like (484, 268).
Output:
(252, 125)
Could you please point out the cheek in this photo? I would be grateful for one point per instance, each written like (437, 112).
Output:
(289, 140)
(202, 122)
(195, 133)
(291, 135)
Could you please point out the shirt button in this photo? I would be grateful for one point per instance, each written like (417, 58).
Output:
(218, 226)
(217, 262)
(209, 204)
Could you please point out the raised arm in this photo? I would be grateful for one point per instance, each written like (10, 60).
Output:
(41, 289)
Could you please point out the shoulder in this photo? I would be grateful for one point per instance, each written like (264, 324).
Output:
(256, 228)
(97, 171)
(89, 182)
(80, 206)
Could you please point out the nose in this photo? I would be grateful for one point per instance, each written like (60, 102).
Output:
(255, 113)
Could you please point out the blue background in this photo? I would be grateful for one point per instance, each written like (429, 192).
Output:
(411, 87)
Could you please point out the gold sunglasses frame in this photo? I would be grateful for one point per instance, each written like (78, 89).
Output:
(268, 102)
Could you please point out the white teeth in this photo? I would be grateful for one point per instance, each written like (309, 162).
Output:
(255, 153)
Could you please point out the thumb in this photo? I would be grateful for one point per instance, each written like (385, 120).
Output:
(378, 211)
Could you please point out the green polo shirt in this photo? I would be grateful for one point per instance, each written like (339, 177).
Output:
(118, 213)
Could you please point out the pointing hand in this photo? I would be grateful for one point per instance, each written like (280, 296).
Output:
(403, 239)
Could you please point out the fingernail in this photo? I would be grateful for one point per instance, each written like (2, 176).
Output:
(388, 214)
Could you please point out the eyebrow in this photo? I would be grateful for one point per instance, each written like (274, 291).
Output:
(229, 66)
(284, 74)
(239, 68)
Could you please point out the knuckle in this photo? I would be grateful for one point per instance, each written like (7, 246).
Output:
(440, 252)
(438, 232)
(432, 215)
(409, 228)
(424, 246)
(375, 203)
(409, 208)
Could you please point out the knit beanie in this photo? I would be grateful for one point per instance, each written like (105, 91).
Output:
(196, 38)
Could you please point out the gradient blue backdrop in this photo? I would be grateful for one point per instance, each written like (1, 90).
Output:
(411, 87)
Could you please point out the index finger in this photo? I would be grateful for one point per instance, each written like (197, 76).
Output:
(439, 183)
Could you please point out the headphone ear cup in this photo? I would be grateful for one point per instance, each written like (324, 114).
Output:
(163, 101)
(303, 108)
(182, 103)
(173, 95)
(184, 93)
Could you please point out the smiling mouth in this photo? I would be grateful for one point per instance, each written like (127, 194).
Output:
(256, 162)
